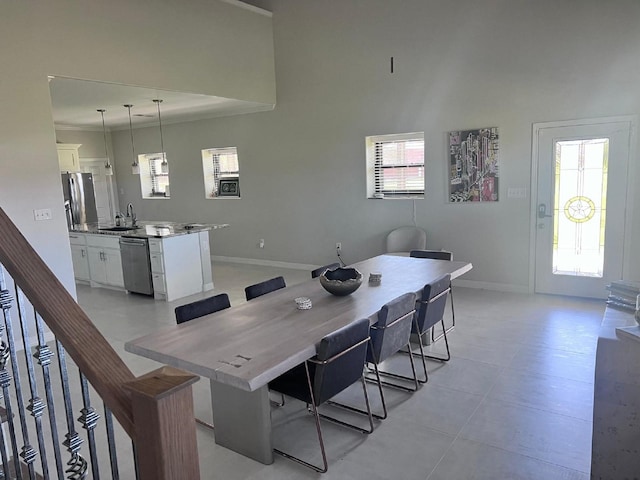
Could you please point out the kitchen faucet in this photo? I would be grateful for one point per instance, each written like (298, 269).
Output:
(131, 214)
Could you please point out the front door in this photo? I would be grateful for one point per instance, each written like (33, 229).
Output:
(581, 205)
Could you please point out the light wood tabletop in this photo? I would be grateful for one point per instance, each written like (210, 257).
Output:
(248, 345)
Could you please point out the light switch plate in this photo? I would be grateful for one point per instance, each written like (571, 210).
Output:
(517, 192)
(42, 214)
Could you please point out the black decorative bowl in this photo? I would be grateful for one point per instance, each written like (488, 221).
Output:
(341, 281)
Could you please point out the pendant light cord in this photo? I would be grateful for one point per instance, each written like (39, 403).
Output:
(133, 148)
(104, 132)
(158, 102)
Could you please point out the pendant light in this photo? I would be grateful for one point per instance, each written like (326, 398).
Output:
(164, 166)
(108, 169)
(135, 166)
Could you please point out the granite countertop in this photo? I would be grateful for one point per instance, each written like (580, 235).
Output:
(149, 229)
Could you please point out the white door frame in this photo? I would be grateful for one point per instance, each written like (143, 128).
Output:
(628, 215)
(111, 185)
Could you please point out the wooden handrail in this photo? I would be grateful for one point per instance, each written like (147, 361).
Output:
(99, 362)
(156, 409)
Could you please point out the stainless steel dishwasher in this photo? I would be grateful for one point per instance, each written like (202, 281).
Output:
(135, 265)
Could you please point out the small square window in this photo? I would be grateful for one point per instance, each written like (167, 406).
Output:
(395, 166)
(154, 175)
(221, 172)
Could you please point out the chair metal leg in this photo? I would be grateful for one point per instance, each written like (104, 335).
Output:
(421, 355)
(205, 424)
(317, 416)
(432, 357)
(358, 410)
(446, 342)
(380, 383)
(453, 319)
(318, 430)
(347, 407)
(396, 375)
(276, 404)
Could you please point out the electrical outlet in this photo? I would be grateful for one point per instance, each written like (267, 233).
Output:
(261, 243)
(42, 214)
(338, 246)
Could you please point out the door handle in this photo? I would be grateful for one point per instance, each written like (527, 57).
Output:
(542, 211)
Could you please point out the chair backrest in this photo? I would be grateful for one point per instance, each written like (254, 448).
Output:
(405, 239)
(187, 312)
(392, 330)
(339, 360)
(430, 307)
(433, 254)
(320, 270)
(262, 288)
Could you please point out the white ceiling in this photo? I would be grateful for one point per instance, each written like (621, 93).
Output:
(75, 103)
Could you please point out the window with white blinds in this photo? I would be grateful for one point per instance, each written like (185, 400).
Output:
(221, 164)
(154, 179)
(395, 166)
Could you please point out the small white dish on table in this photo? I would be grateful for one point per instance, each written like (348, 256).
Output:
(303, 303)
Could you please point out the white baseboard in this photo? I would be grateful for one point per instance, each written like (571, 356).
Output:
(264, 263)
(498, 287)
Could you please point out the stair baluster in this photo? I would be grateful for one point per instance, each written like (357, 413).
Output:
(155, 410)
(5, 377)
(36, 406)
(43, 355)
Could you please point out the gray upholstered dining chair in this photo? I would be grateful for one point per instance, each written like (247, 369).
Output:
(200, 308)
(338, 364)
(262, 288)
(390, 333)
(429, 311)
(320, 270)
(438, 255)
(405, 239)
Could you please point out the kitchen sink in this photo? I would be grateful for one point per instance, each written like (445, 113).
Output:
(118, 229)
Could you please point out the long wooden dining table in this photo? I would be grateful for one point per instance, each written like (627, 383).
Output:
(242, 348)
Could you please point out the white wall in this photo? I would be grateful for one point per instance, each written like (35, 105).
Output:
(458, 65)
(91, 141)
(210, 47)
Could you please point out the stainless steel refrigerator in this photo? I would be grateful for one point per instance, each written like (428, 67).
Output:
(79, 199)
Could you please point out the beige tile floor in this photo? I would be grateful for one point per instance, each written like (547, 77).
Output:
(515, 401)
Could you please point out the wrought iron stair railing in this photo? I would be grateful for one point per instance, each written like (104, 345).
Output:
(40, 398)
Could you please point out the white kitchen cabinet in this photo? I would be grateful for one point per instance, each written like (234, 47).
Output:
(79, 257)
(176, 266)
(113, 266)
(205, 260)
(105, 263)
(157, 268)
(180, 264)
(68, 157)
(96, 265)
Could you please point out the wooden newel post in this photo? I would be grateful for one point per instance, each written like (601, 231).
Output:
(164, 425)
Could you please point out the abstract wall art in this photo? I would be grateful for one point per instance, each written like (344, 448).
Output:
(473, 165)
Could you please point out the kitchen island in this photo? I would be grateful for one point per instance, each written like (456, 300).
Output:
(179, 256)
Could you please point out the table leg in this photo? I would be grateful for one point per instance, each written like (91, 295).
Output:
(242, 420)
